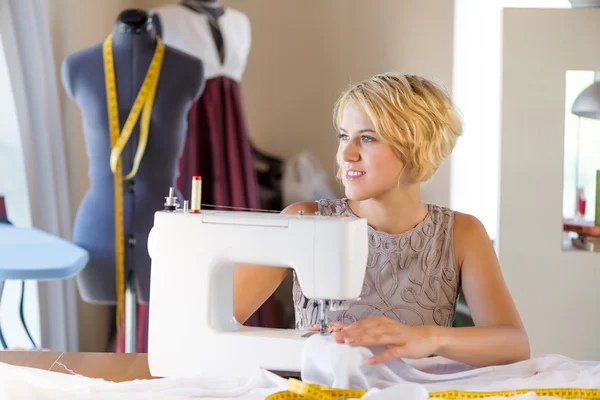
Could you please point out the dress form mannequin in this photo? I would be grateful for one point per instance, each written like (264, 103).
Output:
(180, 84)
(218, 146)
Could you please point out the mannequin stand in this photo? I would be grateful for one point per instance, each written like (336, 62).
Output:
(130, 313)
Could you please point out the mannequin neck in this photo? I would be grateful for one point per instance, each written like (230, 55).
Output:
(134, 28)
(210, 7)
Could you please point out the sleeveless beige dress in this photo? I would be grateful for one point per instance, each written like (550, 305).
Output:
(411, 277)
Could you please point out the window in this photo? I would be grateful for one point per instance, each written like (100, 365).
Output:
(13, 186)
(582, 149)
(475, 178)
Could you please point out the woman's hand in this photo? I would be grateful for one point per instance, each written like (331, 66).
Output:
(399, 339)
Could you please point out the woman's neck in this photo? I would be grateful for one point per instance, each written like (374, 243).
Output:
(396, 212)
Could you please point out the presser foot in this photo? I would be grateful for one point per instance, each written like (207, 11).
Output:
(324, 307)
(323, 330)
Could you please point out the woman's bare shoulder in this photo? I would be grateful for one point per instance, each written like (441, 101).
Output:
(470, 238)
(308, 207)
(468, 226)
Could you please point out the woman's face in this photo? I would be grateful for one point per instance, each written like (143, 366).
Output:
(370, 167)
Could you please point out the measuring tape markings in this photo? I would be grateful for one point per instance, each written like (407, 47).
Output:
(322, 392)
(300, 390)
(563, 393)
(118, 140)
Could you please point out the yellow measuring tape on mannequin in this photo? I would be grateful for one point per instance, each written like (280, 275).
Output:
(304, 391)
(118, 140)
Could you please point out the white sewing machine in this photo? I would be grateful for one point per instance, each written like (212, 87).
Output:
(192, 328)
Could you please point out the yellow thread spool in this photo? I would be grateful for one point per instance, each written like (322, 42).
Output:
(196, 193)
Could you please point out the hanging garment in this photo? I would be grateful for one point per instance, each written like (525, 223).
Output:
(217, 145)
(269, 171)
(305, 180)
(217, 148)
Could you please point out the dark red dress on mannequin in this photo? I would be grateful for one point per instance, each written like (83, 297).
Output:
(218, 148)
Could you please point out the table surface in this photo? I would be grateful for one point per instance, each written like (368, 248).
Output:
(115, 367)
(29, 253)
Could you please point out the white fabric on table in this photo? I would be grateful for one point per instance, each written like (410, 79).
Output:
(331, 364)
(325, 363)
(29, 383)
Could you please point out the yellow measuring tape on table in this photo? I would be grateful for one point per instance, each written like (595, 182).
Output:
(118, 140)
(304, 391)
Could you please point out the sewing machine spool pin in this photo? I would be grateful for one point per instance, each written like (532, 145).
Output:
(171, 203)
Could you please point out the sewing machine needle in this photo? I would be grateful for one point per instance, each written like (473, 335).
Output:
(322, 317)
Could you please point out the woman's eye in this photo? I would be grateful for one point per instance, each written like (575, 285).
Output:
(342, 136)
(367, 139)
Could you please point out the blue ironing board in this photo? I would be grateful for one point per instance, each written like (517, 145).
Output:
(29, 253)
(32, 254)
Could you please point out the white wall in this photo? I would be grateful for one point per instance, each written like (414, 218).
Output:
(556, 292)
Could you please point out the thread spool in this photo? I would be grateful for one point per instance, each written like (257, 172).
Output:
(196, 194)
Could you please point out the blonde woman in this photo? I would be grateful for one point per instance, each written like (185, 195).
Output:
(394, 132)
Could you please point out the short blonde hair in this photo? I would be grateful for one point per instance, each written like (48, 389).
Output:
(410, 113)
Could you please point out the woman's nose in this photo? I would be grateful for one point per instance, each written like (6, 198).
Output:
(350, 152)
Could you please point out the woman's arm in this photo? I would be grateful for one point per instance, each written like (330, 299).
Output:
(254, 284)
(498, 336)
